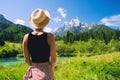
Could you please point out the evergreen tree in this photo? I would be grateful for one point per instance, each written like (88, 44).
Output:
(2, 43)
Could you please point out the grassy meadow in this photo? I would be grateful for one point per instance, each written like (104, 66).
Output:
(99, 67)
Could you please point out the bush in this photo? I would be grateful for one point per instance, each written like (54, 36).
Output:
(88, 48)
(8, 53)
(65, 50)
(20, 55)
(114, 45)
(10, 50)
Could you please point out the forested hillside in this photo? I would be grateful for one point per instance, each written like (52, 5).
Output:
(10, 31)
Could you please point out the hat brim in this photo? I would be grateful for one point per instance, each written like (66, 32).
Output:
(39, 25)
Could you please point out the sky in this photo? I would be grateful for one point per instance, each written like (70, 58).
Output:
(89, 11)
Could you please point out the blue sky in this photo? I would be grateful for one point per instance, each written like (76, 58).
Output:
(89, 11)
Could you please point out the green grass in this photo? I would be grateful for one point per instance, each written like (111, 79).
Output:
(12, 72)
(100, 67)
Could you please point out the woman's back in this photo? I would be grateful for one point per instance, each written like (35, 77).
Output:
(39, 48)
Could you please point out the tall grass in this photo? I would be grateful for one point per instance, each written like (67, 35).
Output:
(100, 67)
(13, 72)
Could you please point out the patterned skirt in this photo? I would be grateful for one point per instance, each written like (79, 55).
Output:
(42, 72)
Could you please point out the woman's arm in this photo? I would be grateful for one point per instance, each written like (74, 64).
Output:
(52, 50)
(25, 50)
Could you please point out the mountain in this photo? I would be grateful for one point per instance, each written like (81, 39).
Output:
(12, 32)
(63, 29)
(74, 26)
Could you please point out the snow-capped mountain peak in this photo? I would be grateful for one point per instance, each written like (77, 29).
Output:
(74, 25)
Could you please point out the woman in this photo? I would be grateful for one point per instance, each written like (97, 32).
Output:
(39, 48)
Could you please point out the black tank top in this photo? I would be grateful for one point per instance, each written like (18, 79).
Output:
(39, 48)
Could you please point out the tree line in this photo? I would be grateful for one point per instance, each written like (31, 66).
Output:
(100, 32)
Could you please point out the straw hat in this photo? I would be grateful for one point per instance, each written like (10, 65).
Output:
(39, 18)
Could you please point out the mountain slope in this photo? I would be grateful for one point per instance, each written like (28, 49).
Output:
(101, 27)
(4, 20)
(12, 32)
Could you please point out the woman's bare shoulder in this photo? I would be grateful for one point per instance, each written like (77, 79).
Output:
(26, 36)
(50, 35)
(50, 38)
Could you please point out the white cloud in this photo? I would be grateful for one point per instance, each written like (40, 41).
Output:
(19, 21)
(57, 19)
(62, 12)
(48, 29)
(111, 21)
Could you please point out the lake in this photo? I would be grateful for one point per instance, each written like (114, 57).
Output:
(12, 60)
(15, 60)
